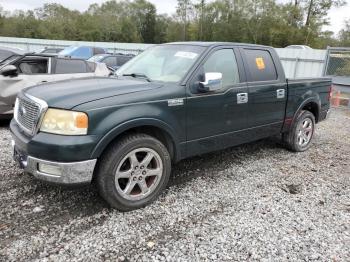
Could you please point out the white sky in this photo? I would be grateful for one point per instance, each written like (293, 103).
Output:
(336, 16)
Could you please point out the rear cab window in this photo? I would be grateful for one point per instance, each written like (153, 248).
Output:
(259, 65)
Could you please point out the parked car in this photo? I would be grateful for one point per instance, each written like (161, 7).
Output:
(305, 47)
(6, 53)
(171, 102)
(29, 70)
(112, 61)
(51, 50)
(81, 52)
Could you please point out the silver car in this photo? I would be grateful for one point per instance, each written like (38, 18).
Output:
(31, 69)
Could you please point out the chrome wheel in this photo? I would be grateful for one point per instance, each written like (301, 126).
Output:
(305, 132)
(138, 174)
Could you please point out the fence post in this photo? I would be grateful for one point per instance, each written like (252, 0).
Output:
(296, 67)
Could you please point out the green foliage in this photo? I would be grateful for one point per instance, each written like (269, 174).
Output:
(269, 22)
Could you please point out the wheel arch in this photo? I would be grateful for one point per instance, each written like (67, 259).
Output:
(311, 104)
(156, 128)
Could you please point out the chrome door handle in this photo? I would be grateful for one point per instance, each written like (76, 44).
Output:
(242, 98)
(281, 93)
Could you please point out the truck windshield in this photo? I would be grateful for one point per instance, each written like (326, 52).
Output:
(166, 63)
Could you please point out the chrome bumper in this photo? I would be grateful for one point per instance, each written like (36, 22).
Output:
(65, 173)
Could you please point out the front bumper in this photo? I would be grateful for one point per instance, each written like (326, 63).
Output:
(57, 172)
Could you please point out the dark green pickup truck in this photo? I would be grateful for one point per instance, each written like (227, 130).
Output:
(171, 102)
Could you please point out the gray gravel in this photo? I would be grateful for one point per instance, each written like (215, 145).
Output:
(253, 202)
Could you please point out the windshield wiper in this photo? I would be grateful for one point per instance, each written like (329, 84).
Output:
(137, 75)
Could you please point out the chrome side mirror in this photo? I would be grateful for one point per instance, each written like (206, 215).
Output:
(212, 82)
(9, 70)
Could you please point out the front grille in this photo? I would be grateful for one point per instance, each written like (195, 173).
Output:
(27, 114)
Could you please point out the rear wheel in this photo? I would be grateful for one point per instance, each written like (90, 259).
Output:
(133, 172)
(300, 136)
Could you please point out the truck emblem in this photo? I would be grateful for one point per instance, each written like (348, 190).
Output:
(22, 111)
(176, 102)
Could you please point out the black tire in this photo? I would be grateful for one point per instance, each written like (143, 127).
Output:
(291, 139)
(111, 161)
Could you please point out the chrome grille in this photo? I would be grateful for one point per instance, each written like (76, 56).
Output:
(27, 114)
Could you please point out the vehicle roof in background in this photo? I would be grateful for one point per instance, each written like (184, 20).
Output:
(212, 44)
(13, 50)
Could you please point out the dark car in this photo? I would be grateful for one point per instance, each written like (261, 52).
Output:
(112, 61)
(171, 102)
(82, 52)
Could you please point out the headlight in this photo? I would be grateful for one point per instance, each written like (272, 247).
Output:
(64, 122)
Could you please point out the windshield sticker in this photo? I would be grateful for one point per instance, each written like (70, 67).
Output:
(260, 63)
(188, 55)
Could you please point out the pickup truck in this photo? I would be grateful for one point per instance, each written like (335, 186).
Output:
(171, 102)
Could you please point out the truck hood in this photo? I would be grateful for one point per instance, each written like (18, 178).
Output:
(70, 93)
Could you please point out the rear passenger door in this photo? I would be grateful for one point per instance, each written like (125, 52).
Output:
(267, 90)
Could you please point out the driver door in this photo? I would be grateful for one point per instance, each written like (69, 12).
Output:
(31, 71)
(215, 119)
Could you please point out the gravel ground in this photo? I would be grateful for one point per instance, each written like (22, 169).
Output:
(253, 202)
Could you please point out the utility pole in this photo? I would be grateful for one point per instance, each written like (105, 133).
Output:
(202, 18)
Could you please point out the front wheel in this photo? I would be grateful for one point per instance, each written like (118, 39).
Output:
(299, 138)
(133, 172)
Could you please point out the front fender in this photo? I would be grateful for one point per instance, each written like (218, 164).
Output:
(116, 131)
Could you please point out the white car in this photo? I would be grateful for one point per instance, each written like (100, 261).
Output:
(31, 69)
(304, 47)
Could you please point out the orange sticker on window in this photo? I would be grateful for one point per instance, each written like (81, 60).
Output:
(260, 63)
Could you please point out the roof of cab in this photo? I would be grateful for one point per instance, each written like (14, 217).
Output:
(213, 44)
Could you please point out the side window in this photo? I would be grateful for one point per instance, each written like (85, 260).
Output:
(35, 66)
(91, 67)
(110, 61)
(67, 66)
(260, 65)
(122, 60)
(223, 61)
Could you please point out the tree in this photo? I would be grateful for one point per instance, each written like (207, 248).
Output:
(270, 22)
(344, 34)
(182, 10)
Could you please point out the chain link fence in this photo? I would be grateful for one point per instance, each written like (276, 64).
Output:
(338, 63)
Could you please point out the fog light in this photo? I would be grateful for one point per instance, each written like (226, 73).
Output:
(50, 169)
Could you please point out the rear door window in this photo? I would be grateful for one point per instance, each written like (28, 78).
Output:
(260, 65)
(67, 66)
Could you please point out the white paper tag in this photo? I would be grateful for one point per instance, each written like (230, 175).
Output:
(188, 55)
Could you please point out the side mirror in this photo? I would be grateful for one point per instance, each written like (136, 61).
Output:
(212, 82)
(9, 70)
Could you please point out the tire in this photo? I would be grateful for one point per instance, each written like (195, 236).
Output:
(133, 172)
(299, 138)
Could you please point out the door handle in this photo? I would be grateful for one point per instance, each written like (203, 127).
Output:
(242, 98)
(281, 93)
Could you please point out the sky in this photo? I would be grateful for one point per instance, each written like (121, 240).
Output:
(336, 16)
